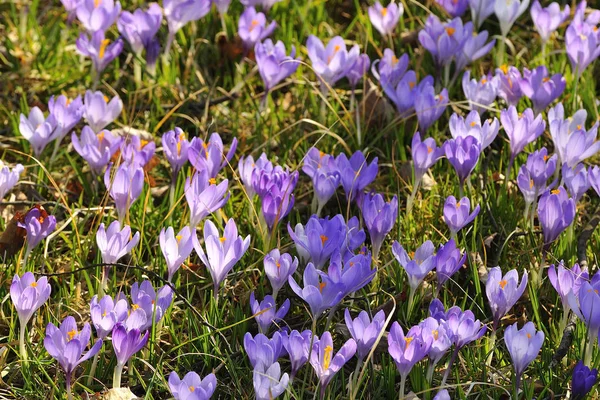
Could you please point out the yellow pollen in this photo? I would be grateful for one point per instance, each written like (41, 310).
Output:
(384, 11)
(327, 357)
(104, 314)
(435, 334)
(100, 136)
(103, 46)
(411, 85)
(484, 81)
(97, 3)
(323, 239)
(278, 265)
(71, 334)
(68, 101)
(450, 31)
(529, 336)
(411, 254)
(408, 339)
(530, 183)
(212, 181)
(473, 124)
(578, 127)
(429, 150)
(546, 157)
(191, 388)
(222, 239)
(555, 191)
(322, 286)
(33, 284)
(178, 148)
(504, 68)
(134, 307)
(502, 283)
(178, 237)
(106, 99)
(394, 60)
(321, 154)
(457, 205)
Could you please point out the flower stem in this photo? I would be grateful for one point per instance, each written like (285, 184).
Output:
(68, 385)
(491, 345)
(117, 376)
(447, 373)
(410, 201)
(517, 384)
(22, 347)
(402, 384)
(411, 298)
(312, 341)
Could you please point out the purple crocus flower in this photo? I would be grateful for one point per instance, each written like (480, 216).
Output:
(385, 19)
(566, 280)
(140, 27)
(99, 111)
(364, 331)
(332, 62)
(508, 11)
(146, 302)
(192, 387)
(457, 214)
(176, 248)
(583, 381)
(354, 272)
(204, 196)
(534, 174)
(135, 151)
(541, 88)
(66, 344)
(66, 112)
(222, 6)
(521, 129)
(71, 8)
(471, 126)
(407, 350)
(442, 395)
(594, 177)
(358, 70)
(443, 40)
(436, 332)
(106, 313)
(175, 147)
(96, 149)
(481, 10)
(403, 95)
(523, 345)
(266, 312)
(509, 87)
(320, 291)
(125, 187)
(421, 264)
(276, 193)
(99, 49)
(389, 70)
(297, 345)
(268, 381)
(37, 129)
(278, 268)
(210, 156)
(463, 154)
(586, 305)
(456, 8)
(114, 242)
(179, 12)
(319, 239)
(556, 211)
(424, 154)
(265, 4)
(38, 225)
(379, 217)
(324, 173)
(261, 350)
(273, 63)
(448, 261)
(546, 20)
(28, 295)
(480, 94)
(253, 28)
(583, 46)
(576, 180)
(9, 178)
(356, 173)
(503, 291)
(474, 48)
(126, 342)
(97, 15)
(327, 363)
(246, 168)
(463, 327)
(428, 105)
(222, 252)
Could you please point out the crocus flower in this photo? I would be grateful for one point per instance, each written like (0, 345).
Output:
(324, 173)
(66, 112)
(583, 46)
(222, 6)
(99, 111)
(268, 381)
(175, 147)
(96, 149)
(136, 151)
(463, 327)
(364, 331)
(443, 40)
(379, 217)
(332, 62)
(114, 242)
(277, 195)
(266, 311)
(566, 280)
(176, 248)
(508, 11)
(521, 129)
(503, 291)
(576, 180)
(429, 106)
(436, 332)
(66, 344)
(246, 168)
(319, 291)
(37, 129)
(297, 345)
(480, 94)
(319, 239)
(97, 15)
(407, 350)
(586, 305)
(126, 342)
(106, 313)
(442, 395)
(474, 48)
(265, 4)
(192, 387)
(151, 302)
(405, 92)
(389, 70)
(541, 88)
(125, 187)
(385, 19)
(353, 273)
(210, 156)
(463, 154)
(594, 176)
(421, 264)
(523, 345)
(38, 224)
(456, 8)
(327, 363)
(583, 381)
(222, 252)
(457, 214)
(471, 126)
(204, 196)
(140, 27)
(28, 295)
(424, 154)
(556, 211)
(509, 87)
(71, 8)
(278, 268)
(481, 10)
(534, 174)
(448, 261)
(253, 28)
(546, 20)
(273, 63)
(261, 350)
(356, 173)
(99, 49)
(358, 70)
(179, 12)
(9, 178)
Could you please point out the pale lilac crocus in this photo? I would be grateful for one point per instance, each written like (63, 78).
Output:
(192, 387)
(114, 243)
(523, 346)
(424, 154)
(389, 70)
(385, 19)
(137, 151)
(583, 46)
(125, 187)
(96, 149)
(140, 27)
(261, 350)
(278, 268)
(448, 261)
(222, 252)
(99, 110)
(566, 280)
(541, 88)
(246, 169)
(463, 153)
(457, 214)
(471, 126)
(534, 174)
(106, 313)
(586, 305)
(148, 302)
(327, 363)
(175, 147)
(100, 49)
(222, 6)
(37, 129)
(71, 8)
(319, 291)
(9, 178)
(356, 173)
(521, 129)
(503, 291)
(319, 238)
(556, 211)
(268, 381)
(509, 87)
(481, 94)
(297, 345)
(481, 10)
(126, 342)
(508, 11)
(429, 106)
(418, 266)
(97, 15)
(204, 196)
(38, 224)
(456, 8)
(66, 112)
(210, 155)
(364, 331)
(358, 70)
(438, 334)
(594, 176)
(266, 312)
(179, 12)
(474, 47)
(443, 39)
(253, 28)
(379, 217)
(407, 350)
(176, 248)
(547, 19)
(576, 180)
(273, 63)
(330, 62)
